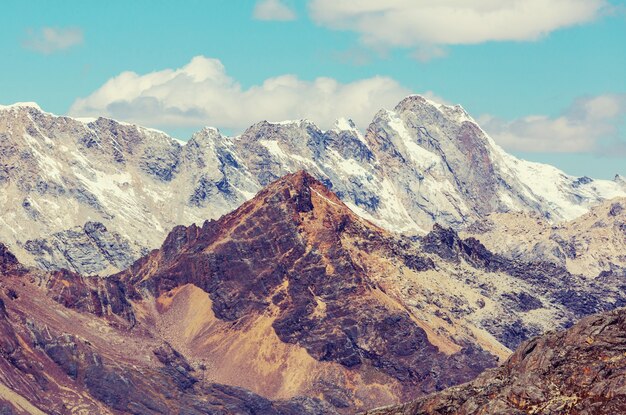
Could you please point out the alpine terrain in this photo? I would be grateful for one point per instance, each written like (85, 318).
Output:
(93, 195)
(578, 371)
(291, 303)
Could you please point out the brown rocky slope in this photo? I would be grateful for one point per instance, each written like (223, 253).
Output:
(285, 301)
(578, 371)
(293, 300)
(72, 345)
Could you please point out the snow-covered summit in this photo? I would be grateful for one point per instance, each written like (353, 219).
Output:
(420, 163)
(21, 105)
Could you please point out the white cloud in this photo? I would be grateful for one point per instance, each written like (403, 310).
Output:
(591, 124)
(273, 10)
(202, 93)
(427, 24)
(50, 39)
(426, 53)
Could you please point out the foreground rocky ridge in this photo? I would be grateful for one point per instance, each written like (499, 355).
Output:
(416, 165)
(578, 371)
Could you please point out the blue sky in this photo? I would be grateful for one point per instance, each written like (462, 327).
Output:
(556, 94)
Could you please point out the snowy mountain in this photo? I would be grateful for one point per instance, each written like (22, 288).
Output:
(92, 195)
(592, 244)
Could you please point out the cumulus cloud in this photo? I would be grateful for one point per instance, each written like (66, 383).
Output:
(590, 124)
(273, 10)
(50, 39)
(202, 93)
(428, 24)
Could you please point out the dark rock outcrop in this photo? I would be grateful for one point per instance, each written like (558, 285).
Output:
(88, 250)
(578, 295)
(578, 371)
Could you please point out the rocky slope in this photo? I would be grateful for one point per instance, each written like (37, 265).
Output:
(349, 311)
(73, 345)
(293, 300)
(593, 244)
(420, 163)
(578, 371)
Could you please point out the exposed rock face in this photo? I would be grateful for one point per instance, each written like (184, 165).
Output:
(8, 261)
(545, 284)
(70, 345)
(84, 249)
(418, 164)
(578, 371)
(286, 255)
(593, 245)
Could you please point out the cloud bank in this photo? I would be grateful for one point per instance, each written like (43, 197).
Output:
(426, 25)
(590, 125)
(202, 93)
(273, 10)
(50, 39)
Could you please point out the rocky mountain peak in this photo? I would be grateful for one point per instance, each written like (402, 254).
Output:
(426, 108)
(266, 129)
(300, 186)
(296, 254)
(207, 133)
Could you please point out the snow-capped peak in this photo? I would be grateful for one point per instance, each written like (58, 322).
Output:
(21, 105)
(345, 124)
(415, 165)
(298, 123)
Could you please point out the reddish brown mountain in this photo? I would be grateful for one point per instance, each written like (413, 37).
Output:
(71, 345)
(282, 297)
(578, 371)
(294, 301)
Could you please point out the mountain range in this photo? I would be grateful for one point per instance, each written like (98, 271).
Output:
(290, 270)
(93, 195)
(291, 303)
